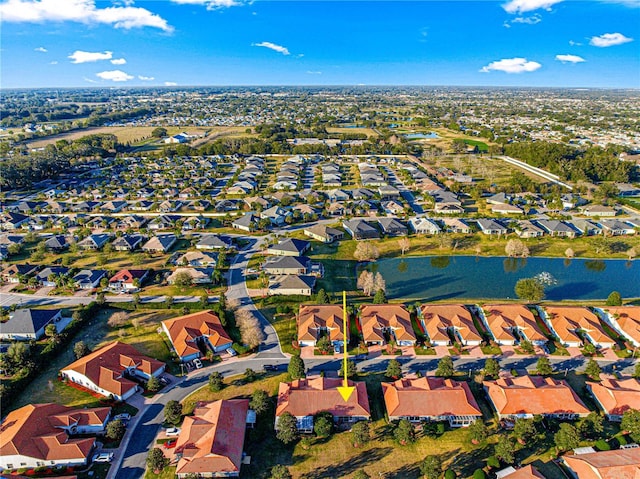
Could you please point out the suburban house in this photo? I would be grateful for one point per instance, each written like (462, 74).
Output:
(384, 323)
(392, 227)
(58, 243)
(317, 320)
(194, 334)
(587, 228)
(614, 464)
(13, 272)
(89, 278)
(431, 399)
(128, 279)
(108, 369)
(527, 396)
(46, 277)
(213, 241)
(444, 322)
(557, 228)
(279, 265)
(196, 275)
(615, 396)
(127, 242)
(422, 225)
(526, 229)
(198, 258)
(38, 435)
(160, 243)
(304, 398)
(248, 222)
(625, 320)
(211, 440)
(94, 241)
(491, 227)
(28, 324)
(323, 233)
(598, 210)
(292, 284)
(567, 321)
(507, 209)
(289, 247)
(616, 228)
(456, 225)
(359, 229)
(511, 323)
(12, 221)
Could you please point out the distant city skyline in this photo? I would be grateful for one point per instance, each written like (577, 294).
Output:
(513, 43)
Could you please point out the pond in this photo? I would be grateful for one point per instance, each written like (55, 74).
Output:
(417, 136)
(470, 277)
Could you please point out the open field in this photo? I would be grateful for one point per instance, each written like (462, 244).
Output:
(367, 131)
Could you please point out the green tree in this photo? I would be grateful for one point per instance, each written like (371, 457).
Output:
(431, 467)
(394, 369)
(173, 412)
(504, 449)
(287, 428)
(154, 384)
(567, 437)
(527, 347)
(80, 349)
(479, 474)
(360, 433)
(182, 279)
(593, 370)
(478, 431)
(379, 297)
(115, 430)
(591, 426)
(631, 422)
(323, 424)
(280, 472)
(614, 299)
(352, 369)
(259, 401)
(216, 381)
(159, 132)
(51, 331)
(543, 366)
(17, 354)
(250, 375)
(296, 368)
(156, 460)
(324, 345)
(491, 368)
(529, 289)
(524, 429)
(636, 372)
(404, 432)
(445, 367)
(322, 297)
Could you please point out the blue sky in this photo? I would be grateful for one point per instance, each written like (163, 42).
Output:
(69, 43)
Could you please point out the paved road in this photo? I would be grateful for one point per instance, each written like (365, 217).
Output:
(8, 299)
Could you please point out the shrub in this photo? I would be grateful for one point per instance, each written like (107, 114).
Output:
(450, 474)
(479, 474)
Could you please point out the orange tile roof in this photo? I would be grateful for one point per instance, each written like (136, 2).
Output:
(439, 317)
(211, 441)
(376, 317)
(526, 472)
(306, 397)
(315, 316)
(534, 395)
(35, 431)
(104, 366)
(616, 464)
(429, 396)
(184, 330)
(502, 317)
(617, 395)
(566, 319)
(628, 318)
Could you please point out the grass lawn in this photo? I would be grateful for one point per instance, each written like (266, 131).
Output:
(285, 326)
(166, 473)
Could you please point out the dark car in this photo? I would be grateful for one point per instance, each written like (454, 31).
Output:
(271, 367)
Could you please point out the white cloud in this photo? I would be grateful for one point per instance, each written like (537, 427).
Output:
(41, 49)
(272, 46)
(609, 40)
(85, 57)
(575, 44)
(144, 78)
(119, 61)
(522, 6)
(570, 59)
(81, 11)
(210, 4)
(532, 20)
(511, 65)
(170, 83)
(115, 75)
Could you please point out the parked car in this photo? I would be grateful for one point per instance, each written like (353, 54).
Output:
(103, 457)
(172, 431)
(122, 417)
(170, 444)
(197, 363)
(231, 352)
(271, 367)
(165, 380)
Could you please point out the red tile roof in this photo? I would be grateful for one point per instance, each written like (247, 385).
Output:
(315, 316)
(534, 395)
(526, 472)
(211, 441)
(439, 317)
(35, 431)
(502, 317)
(617, 395)
(184, 330)
(128, 275)
(104, 367)
(616, 464)
(306, 397)
(567, 319)
(628, 318)
(429, 396)
(376, 317)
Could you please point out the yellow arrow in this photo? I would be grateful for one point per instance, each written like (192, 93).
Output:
(345, 390)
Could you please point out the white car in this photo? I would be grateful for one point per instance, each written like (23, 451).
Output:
(122, 417)
(172, 431)
(197, 363)
(103, 457)
(231, 352)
